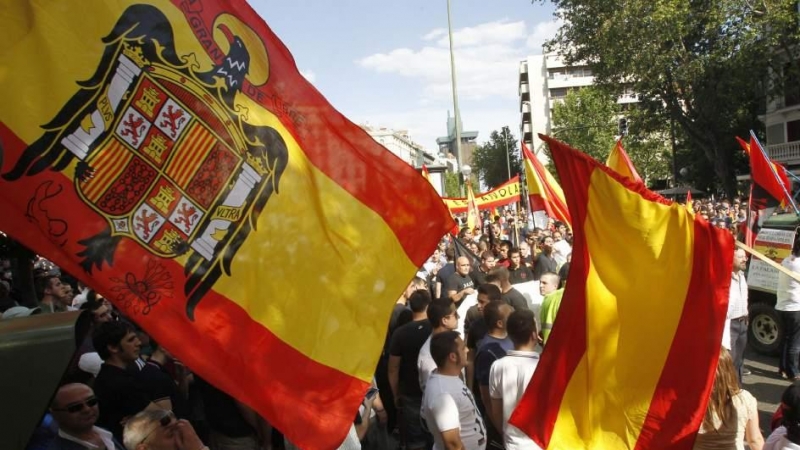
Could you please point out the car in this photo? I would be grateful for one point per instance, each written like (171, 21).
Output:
(774, 240)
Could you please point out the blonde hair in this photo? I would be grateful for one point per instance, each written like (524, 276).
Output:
(726, 385)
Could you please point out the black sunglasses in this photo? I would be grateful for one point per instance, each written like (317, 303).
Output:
(77, 407)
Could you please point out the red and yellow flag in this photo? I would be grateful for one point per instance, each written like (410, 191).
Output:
(689, 204)
(771, 185)
(173, 157)
(504, 194)
(543, 190)
(426, 174)
(631, 359)
(619, 161)
(473, 216)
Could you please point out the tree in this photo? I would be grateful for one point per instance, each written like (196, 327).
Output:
(489, 161)
(697, 66)
(451, 187)
(588, 120)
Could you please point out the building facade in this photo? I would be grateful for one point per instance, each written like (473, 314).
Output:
(545, 80)
(399, 143)
(782, 121)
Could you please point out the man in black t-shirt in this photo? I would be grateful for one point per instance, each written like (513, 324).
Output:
(518, 272)
(440, 287)
(487, 263)
(118, 387)
(499, 277)
(460, 284)
(404, 349)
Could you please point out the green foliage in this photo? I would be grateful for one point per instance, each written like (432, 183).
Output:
(451, 188)
(588, 120)
(699, 65)
(489, 161)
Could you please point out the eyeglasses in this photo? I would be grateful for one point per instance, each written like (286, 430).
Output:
(77, 407)
(163, 423)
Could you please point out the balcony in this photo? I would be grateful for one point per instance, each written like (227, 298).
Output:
(524, 92)
(523, 71)
(787, 154)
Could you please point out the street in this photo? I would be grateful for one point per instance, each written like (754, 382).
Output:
(765, 384)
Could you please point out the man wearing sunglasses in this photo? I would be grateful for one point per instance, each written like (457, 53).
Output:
(75, 410)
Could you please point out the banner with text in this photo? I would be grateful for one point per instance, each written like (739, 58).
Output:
(502, 195)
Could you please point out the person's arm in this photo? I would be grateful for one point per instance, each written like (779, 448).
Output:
(752, 432)
(452, 439)
(457, 296)
(446, 416)
(380, 410)
(394, 376)
(363, 427)
(469, 371)
(438, 289)
(497, 414)
(487, 402)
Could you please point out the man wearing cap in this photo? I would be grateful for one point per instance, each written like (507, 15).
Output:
(75, 410)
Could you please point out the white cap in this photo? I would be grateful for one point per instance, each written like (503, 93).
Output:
(20, 311)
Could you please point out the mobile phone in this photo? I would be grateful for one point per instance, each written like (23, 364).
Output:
(371, 392)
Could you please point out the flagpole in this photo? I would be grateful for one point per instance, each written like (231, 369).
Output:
(455, 91)
(774, 173)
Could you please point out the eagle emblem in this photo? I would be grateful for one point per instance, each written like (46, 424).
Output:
(162, 152)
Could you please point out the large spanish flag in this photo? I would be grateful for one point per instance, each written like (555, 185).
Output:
(621, 163)
(543, 190)
(170, 155)
(631, 358)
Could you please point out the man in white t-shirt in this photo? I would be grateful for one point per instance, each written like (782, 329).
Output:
(510, 376)
(448, 407)
(443, 316)
(788, 307)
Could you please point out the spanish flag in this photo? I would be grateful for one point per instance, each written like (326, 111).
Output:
(543, 190)
(619, 161)
(426, 174)
(771, 186)
(689, 203)
(171, 156)
(473, 216)
(631, 358)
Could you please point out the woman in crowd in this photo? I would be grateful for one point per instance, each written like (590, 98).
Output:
(732, 414)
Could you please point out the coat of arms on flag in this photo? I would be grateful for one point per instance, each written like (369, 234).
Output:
(161, 152)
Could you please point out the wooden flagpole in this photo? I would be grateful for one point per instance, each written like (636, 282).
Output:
(762, 257)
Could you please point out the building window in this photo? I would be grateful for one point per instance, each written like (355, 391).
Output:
(793, 131)
(558, 93)
(775, 134)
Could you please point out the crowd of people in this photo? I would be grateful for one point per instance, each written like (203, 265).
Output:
(442, 381)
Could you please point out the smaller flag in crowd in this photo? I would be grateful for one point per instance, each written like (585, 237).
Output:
(543, 190)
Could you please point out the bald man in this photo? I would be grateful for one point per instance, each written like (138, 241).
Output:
(460, 284)
(75, 410)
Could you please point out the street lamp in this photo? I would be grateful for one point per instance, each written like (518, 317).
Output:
(466, 170)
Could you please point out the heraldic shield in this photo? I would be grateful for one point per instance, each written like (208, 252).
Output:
(163, 154)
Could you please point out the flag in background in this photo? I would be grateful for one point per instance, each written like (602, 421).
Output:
(619, 161)
(630, 361)
(426, 174)
(543, 190)
(689, 204)
(771, 186)
(166, 154)
(473, 214)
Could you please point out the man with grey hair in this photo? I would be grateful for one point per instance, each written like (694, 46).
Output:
(160, 430)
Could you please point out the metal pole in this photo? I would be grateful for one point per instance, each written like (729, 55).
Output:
(455, 91)
(674, 151)
(508, 157)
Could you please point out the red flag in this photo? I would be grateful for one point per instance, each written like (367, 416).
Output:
(771, 185)
(543, 190)
(630, 361)
(689, 204)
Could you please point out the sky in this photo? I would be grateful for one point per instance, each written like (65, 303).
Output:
(387, 63)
